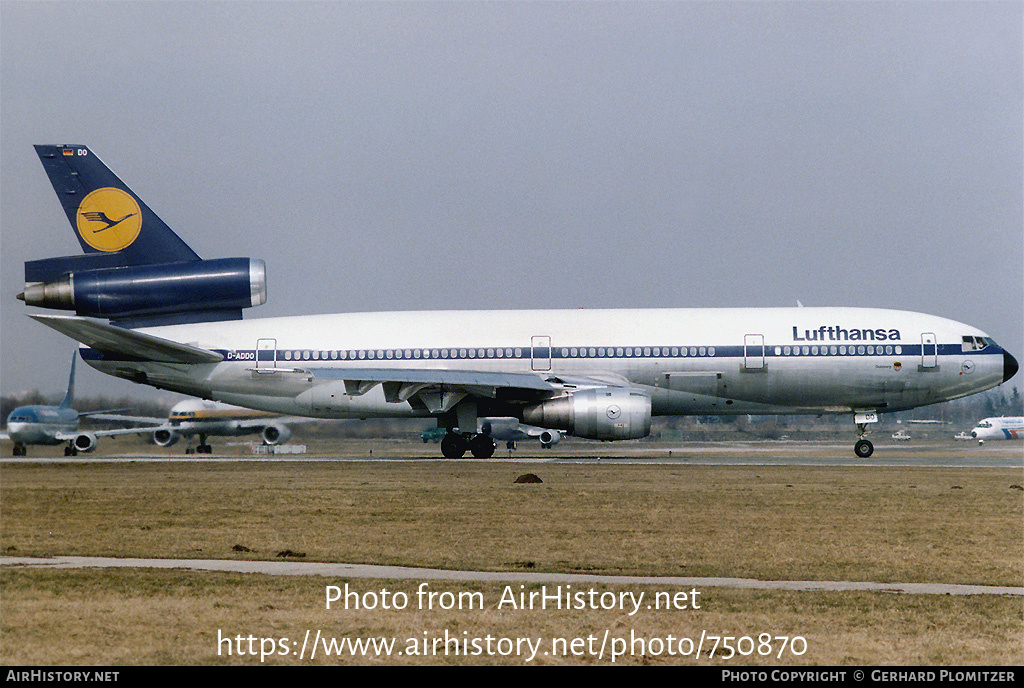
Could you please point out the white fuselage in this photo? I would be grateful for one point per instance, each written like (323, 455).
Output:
(194, 416)
(1002, 428)
(690, 361)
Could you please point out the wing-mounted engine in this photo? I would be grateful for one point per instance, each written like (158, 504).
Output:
(181, 292)
(604, 413)
(276, 433)
(549, 438)
(85, 442)
(165, 438)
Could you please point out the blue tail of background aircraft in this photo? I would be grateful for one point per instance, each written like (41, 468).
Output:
(69, 398)
(135, 271)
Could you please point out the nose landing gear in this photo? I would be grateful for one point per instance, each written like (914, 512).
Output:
(863, 448)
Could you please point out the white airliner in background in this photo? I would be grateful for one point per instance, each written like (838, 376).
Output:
(510, 431)
(199, 418)
(598, 374)
(1001, 428)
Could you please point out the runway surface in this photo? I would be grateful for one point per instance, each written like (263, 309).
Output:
(295, 568)
(944, 454)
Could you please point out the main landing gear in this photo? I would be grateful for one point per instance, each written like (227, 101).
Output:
(201, 448)
(456, 444)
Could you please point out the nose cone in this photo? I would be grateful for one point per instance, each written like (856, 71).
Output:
(1010, 366)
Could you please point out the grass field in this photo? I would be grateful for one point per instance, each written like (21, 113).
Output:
(943, 525)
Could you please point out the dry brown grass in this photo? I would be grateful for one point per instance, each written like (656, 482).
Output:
(885, 524)
(128, 617)
(870, 524)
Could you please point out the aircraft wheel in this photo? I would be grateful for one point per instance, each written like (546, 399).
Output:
(864, 449)
(19, 450)
(482, 446)
(453, 446)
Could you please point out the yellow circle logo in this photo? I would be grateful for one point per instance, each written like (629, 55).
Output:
(109, 219)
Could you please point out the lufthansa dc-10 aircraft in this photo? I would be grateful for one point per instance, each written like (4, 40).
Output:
(176, 323)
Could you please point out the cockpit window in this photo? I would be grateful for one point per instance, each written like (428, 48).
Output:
(972, 343)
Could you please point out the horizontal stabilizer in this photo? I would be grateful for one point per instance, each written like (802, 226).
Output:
(110, 338)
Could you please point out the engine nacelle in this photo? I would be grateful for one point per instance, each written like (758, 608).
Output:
(549, 438)
(85, 442)
(224, 284)
(165, 438)
(606, 413)
(275, 434)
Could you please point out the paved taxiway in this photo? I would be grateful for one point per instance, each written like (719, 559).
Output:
(293, 568)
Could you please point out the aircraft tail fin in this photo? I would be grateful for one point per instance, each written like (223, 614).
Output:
(135, 270)
(69, 398)
(105, 214)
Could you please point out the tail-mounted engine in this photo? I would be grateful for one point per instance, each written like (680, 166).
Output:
(189, 291)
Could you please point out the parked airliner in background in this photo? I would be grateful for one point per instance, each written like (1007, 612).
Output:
(50, 425)
(199, 418)
(599, 374)
(1002, 428)
(510, 431)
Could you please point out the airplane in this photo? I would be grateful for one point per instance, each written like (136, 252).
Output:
(51, 425)
(510, 431)
(1002, 428)
(198, 418)
(175, 322)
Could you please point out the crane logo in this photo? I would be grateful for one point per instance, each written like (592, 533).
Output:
(109, 219)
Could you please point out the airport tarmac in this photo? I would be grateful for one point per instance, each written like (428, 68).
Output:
(938, 454)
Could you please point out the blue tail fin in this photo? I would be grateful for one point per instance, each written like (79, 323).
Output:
(135, 271)
(69, 398)
(106, 215)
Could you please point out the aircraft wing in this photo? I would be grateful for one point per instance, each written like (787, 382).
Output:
(104, 415)
(4, 436)
(103, 337)
(70, 436)
(257, 423)
(425, 384)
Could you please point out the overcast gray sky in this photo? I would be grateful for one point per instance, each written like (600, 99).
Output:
(451, 155)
